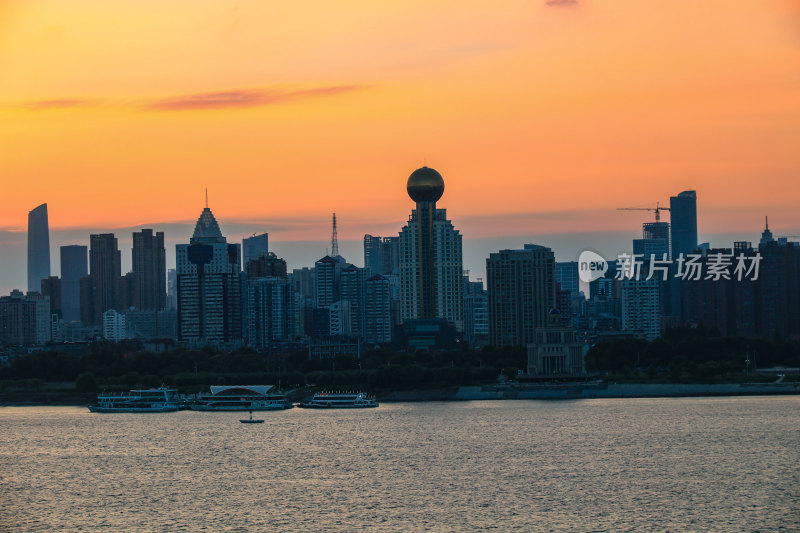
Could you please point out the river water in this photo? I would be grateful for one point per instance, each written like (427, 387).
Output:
(690, 464)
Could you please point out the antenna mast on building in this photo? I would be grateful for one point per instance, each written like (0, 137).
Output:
(334, 239)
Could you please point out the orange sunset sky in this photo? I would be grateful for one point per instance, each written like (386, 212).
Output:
(542, 116)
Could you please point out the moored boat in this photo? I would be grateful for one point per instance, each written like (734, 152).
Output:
(241, 398)
(339, 400)
(160, 400)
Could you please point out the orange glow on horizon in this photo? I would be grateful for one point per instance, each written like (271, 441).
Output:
(121, 113)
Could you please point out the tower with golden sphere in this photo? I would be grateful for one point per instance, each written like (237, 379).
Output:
(431, 268)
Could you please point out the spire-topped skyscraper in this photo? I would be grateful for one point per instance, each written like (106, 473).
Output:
(430, 255)
(209, 288)
(334, 239)
(335, 243)
(766, 235)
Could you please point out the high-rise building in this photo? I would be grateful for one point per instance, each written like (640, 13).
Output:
(74, 266)
(265, 265)
(149, 271)
(172, 289)
(270, 311)
(430, 256)
(656, 235)
(641, 307)
(38, 247)
(24, 319)
(476, 313)
(352, 288)
(209, 286)
(341, 318)
(646, 248)
(254, 246)
(373, 254)
(382, 255)
(104, 271)
(522, 291)
(766, 235)
(378, 311)
(114, 326)
(683, 216)
(326, 281)
(303, 282)
(567, 276)
(51, 287)
(778, 296)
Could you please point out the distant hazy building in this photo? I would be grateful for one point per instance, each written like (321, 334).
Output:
(641, 307)
(431, 269)
(149, 271)
(104, 272)
(38, 247)
(303, 282)
(209, 286)
(522, 291)
(382, 255)
(683, 216)
(114, 326)
(149, 325)
(74, 266)
(254, 246)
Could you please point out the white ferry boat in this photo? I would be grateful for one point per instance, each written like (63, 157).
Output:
(334, 400)
(241, 398)
(161, 400)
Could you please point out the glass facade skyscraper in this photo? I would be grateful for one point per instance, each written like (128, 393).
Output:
(683, 216)
(74, 266)
(38, 247)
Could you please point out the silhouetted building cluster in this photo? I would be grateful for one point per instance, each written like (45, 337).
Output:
(412, 292)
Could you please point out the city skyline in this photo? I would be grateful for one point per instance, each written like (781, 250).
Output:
(304, 252)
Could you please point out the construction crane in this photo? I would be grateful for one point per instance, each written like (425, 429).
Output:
(657, 210)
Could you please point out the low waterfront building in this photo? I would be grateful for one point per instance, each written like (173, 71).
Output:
(556, 350)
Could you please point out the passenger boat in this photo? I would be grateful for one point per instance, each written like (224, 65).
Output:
(241, 398)
(161, 400)
(338, 400)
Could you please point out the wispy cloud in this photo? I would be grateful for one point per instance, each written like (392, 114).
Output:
(59, 103)
(561, 3)
(245, 98)
(240, 98)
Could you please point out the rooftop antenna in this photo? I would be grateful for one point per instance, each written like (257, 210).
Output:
(206, 197)
(334, 239)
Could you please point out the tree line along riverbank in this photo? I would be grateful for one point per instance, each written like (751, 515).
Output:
(680, 356)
